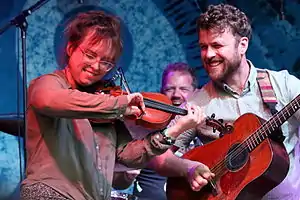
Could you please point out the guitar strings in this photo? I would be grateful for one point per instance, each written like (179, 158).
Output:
(219, 168)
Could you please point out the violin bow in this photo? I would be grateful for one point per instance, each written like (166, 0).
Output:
(123, 81)
(149, 102)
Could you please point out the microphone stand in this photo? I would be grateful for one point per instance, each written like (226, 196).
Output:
(21, 22)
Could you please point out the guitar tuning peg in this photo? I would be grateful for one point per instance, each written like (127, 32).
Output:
(221, 120)
(213, 116)
(228, 128)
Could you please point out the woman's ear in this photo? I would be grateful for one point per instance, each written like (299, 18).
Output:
(243, 46)
(70, 49)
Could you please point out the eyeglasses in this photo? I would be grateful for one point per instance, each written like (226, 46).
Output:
(92, 59)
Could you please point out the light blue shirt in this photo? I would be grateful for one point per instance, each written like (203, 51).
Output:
(229, 105)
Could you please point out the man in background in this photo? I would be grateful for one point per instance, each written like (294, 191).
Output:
(178, 83)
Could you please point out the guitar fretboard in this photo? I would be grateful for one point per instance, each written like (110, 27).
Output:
(273, 124)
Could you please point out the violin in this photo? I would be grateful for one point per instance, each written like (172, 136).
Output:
(159, 109)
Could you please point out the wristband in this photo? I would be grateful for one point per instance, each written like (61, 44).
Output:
(191, 171)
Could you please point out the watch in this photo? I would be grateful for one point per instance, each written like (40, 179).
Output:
(169, 140)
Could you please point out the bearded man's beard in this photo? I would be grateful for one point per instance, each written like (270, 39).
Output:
(229, 68)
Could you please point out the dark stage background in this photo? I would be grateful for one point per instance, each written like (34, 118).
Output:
(155, 33)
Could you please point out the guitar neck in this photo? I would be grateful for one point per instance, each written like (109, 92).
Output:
(273, 124)
(164, 107)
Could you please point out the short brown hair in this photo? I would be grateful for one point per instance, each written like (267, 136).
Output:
(104, 26)
(180, 67)
(222, 16)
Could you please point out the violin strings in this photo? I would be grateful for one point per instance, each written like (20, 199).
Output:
(167, 107)
(164, 107)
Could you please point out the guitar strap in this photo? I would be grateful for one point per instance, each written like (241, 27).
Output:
(266, 90)
(268, 96)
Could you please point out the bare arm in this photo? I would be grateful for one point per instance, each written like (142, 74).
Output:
(170, 165)
(196, 173)
(142, 151)
(164, 165)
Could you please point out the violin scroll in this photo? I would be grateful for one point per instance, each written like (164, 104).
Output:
(217, 124)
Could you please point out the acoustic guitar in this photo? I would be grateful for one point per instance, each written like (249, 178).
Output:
(247, 163)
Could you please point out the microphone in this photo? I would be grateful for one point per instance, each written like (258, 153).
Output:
(80, 1)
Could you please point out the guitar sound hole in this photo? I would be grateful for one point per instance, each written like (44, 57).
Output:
(237, 156)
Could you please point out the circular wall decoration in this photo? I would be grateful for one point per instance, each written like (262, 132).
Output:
(59, 42)
(150, 42)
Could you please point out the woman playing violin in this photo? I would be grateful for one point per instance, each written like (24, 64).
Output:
(67, 157)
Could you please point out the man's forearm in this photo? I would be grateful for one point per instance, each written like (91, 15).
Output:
(170, 165)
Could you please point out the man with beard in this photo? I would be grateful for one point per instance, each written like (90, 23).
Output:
(68, 158)
(224, 34)
(179, 81)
